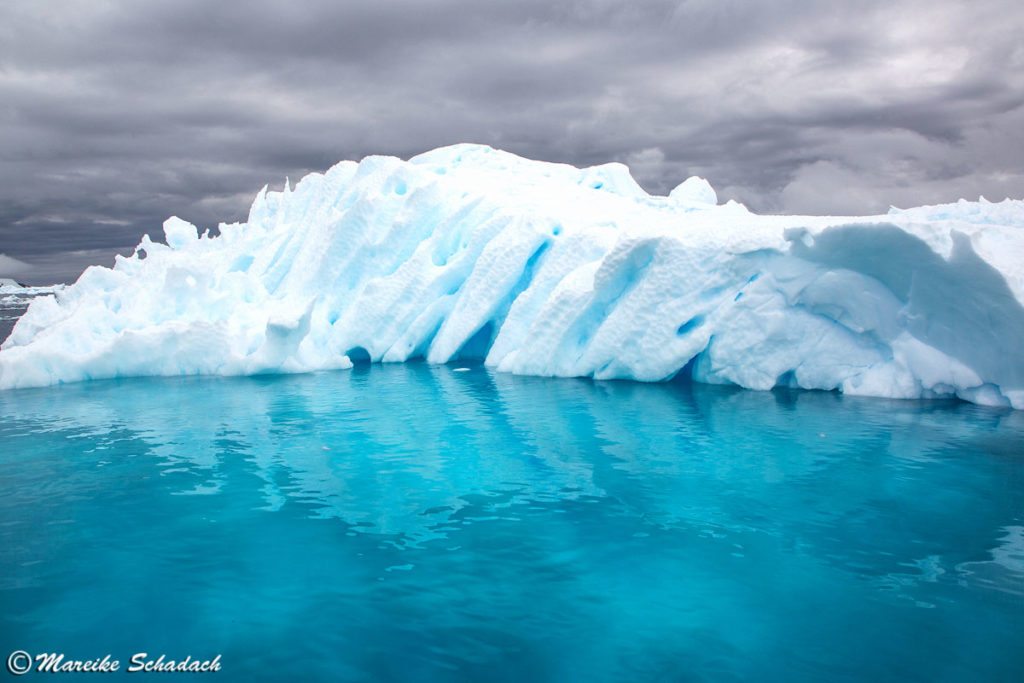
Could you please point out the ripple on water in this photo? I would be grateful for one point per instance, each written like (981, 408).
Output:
(451, 522)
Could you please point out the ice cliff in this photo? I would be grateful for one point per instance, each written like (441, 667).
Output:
(467, 252)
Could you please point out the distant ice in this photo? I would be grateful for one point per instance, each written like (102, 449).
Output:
(467, 252)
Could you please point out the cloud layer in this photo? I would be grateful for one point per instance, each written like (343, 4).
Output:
(117, 114)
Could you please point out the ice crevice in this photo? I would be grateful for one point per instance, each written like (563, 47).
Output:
(471, 253)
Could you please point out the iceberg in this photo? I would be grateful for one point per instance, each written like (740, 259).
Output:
(470, 253)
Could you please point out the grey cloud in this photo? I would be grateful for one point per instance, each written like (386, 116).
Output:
(115, 117)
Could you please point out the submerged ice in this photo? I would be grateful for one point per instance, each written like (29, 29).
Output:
(470, 253)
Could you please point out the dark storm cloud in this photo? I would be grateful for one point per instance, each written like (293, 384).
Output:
(115, 115)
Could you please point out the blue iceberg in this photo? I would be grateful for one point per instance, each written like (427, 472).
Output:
(467, 252)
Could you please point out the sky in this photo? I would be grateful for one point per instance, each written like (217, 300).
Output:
(117, 114)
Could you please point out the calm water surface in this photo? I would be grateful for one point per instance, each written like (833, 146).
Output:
(408, 522)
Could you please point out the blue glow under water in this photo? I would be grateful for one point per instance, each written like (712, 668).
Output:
(409, 522)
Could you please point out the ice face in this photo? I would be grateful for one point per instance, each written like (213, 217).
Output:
(467, 252)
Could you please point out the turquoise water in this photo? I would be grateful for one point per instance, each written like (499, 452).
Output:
(409, 522)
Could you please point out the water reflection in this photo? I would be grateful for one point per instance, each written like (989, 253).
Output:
(402, 449)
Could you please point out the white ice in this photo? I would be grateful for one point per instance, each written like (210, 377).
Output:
(467, 252)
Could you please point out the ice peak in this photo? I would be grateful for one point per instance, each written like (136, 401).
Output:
(694, 190)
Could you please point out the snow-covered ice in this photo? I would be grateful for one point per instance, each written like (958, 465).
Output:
(467, 252)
